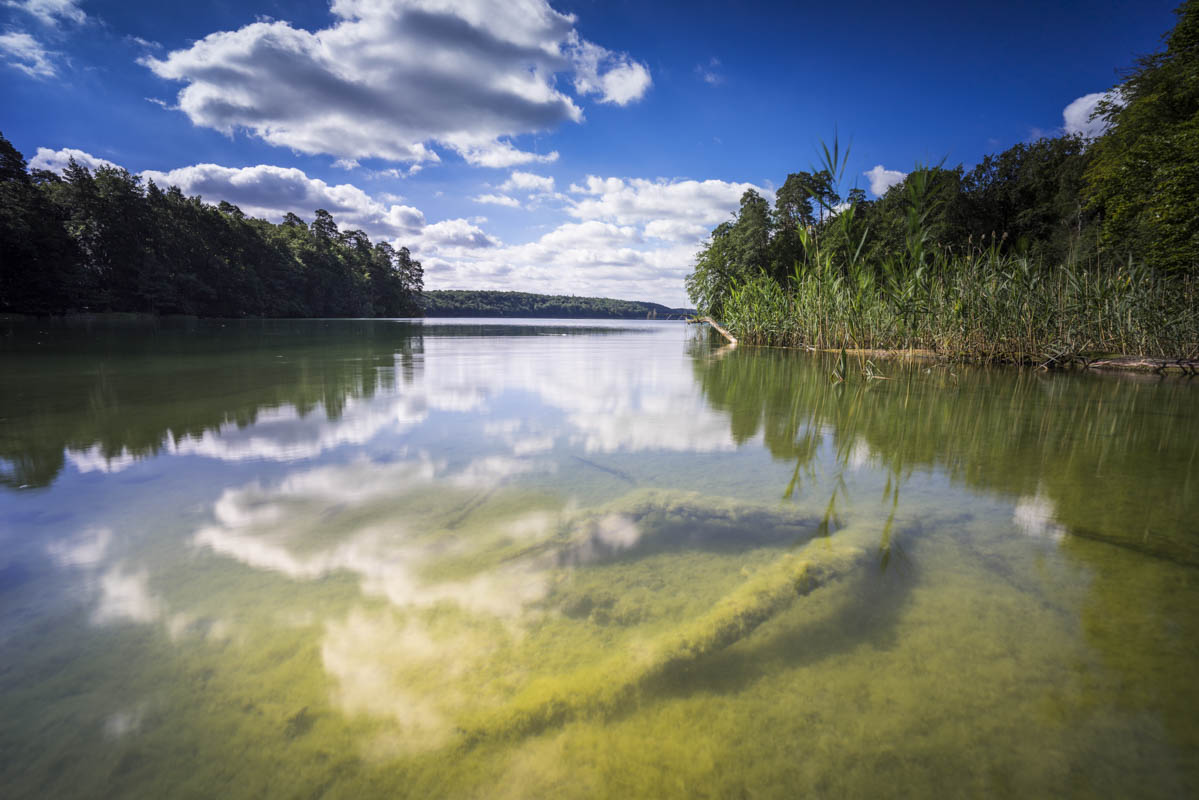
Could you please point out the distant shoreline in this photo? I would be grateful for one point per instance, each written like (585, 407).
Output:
(484, 303)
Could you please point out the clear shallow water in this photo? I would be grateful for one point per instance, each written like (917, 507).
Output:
(355, 559)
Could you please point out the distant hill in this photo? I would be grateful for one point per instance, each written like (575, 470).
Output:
(464, 303)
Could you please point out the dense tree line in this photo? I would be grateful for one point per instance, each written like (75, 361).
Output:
(479, 303)
(1130, 194)
(102, 241)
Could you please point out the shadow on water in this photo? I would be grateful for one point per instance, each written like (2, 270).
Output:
(650, 525)
(866, 611)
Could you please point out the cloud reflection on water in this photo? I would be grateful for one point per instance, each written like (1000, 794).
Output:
(85, 549)
(125, 597)
(401, 670)
(384, 523)
(1035, 517)
(393, 526)
(281, 433)
(591, 398)
(93, 459)
(607, 401)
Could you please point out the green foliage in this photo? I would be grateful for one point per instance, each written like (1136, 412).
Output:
(101, 241)
(735, 252)
(1034, 194)
(750, 236)
(715, 272)
(792, 211)
(1143, 177)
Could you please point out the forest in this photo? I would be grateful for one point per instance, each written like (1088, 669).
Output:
(1050, 250)
(480, 303)
(103, 242)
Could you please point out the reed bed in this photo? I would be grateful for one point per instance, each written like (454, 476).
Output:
(983, 306)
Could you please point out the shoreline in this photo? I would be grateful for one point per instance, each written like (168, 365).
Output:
(1107, 362)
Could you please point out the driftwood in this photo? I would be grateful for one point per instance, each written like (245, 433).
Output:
(732, 339)
(1187, 366)
(1065, 360)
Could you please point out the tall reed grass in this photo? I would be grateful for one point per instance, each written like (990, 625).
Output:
(994, 309)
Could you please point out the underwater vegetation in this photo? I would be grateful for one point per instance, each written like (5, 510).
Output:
(605, 688)
(732, 578)
(470, 565)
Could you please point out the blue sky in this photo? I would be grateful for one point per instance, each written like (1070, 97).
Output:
(566, 147)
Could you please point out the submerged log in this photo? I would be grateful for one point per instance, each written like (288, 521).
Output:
(608, 687)
(1187, 366)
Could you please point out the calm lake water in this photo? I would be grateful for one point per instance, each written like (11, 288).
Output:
(535, 559)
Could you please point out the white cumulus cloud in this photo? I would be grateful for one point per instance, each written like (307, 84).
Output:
(615, 77)
(453, 236)
(23, 52)
(633, 238)
(51, 12)
(675, 229)
(57, 160)
(1076, 117)
(271, 192)
(882, 179)
(640, 201)
(498, 199)
(392, 78)
(528, 182)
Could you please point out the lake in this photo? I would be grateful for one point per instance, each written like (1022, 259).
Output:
(503, 558)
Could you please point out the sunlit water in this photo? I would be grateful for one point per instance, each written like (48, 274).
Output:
(385, 559)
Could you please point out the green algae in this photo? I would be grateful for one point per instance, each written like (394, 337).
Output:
(602, 689)
(512, 533)
(681, 730)
(780, 637)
